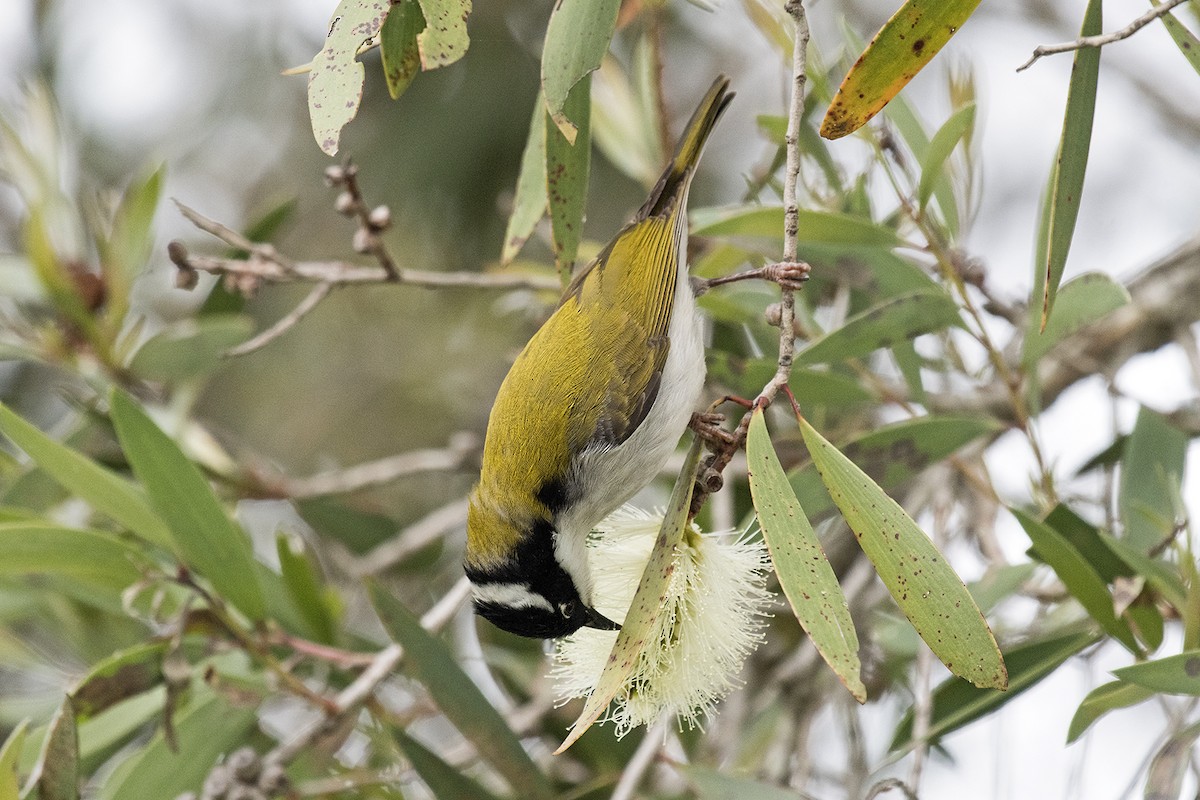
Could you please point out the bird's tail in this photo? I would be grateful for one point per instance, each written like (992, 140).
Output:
(678, 173)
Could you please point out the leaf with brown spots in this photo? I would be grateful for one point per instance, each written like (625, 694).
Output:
(118, 677)
(398, 50)
(805, 575)
(646, 605)
(916, 574)
(901, 49)
(444, 39)
(577, 38)
(1184, 39)
(567, 167)
(1178, 674)
(335, 81)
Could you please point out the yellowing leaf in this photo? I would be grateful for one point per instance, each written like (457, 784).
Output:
(576, 40)
(444, 39)
(901, 49)
(335, 83)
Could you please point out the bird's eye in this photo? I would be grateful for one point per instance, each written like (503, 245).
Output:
(567, 609)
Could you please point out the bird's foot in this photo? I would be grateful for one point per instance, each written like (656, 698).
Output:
(707, 425)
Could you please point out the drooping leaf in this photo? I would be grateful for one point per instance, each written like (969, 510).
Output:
(429, 662)
(190, 348)
(105, 491)
(335, 80)
(643, 611)
(1185, 40)
(1150, 479)
(567, 167)
(893, 454)
(917, 576)
(10, 754)
(205, 729)
(897, 319)
(120, 676)
(529, 200)
(956, 129)
(754, 221)
(712, 785)
(1087, 539)
(901, 49)
(956, 703)
(204, 534)
(398, 49)
(1066, 182)
(1164, 776)
(303, 584)
(444, 781)
(56, 774)
(805, 574)
(1079, 577)
(576, 40)
(1177, 674)
(1080, 302)
(1103, 699)
(445, 38)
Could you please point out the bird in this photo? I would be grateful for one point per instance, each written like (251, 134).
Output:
(590, 410)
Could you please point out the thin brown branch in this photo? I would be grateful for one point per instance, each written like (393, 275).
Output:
(285, 323)
(1104, 38)
(412, 539)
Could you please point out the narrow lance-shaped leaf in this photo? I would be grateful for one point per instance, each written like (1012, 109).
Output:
(918, 577)
(1080, 302)
(429, 662)
(576, 40)
(1185, 40)
(1151, 474)
(956, 129)
(567, 167)
(1103, 699)
(303, 584)
(643, 611)
(56, 774)
(335, 80)
(444, 781)
(107, 492)
(898, 319)
(901, 49)
(1177, 674)
(398, 50)
(1066, 183)
(805, 574)
(208, 539)
(713, 785)
(10, 754)
(1079, 576)
(529, 200)
(118, 677)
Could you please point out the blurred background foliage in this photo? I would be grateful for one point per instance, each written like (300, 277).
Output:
(109, 112)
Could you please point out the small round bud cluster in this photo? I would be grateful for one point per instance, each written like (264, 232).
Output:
(186, 276)
(242, 776)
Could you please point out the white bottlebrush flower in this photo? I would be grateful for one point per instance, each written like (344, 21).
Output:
(711, 619)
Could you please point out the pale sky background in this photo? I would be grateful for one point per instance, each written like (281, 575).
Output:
(130, 79)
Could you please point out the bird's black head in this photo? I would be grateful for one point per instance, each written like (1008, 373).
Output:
(531, 594)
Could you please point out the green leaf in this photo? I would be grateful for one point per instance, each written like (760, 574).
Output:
(122, 675)
(956, 703)
(444, 781)
(56, 773)
(10, 754)
(1161, 577)
(567, 168)
(1103, 699)
(1087, 539)
(1151, 476)
(805, 575)
(894, 454)
(917, 576)
(106, 492)
(1177, 674)
(205, 729)
(1164, 776)
(901, 49)
(1080, 302)
(634, 635)
(529, 200)
(335, 81)
(97, 559)
(445, 38)
(1184, 39)
(190, 348)
(811, 387)
(398, 50)
(576, 40)
(126, 249)
(1066, 182)
(712, 785)
(1079, 577)
(624, 123)
(205, 535)
(430, 662)
(303, 583)
(767, 222)
(897, 319)
(956, 129)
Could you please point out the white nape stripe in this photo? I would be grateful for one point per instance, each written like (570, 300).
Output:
(510, 595)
